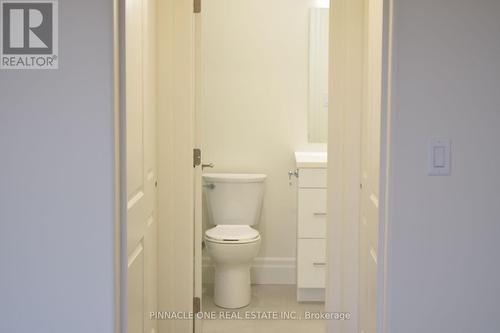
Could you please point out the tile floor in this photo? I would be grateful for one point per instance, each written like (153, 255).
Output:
(276, 298)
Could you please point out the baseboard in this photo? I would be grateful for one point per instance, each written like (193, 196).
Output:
(265, 270)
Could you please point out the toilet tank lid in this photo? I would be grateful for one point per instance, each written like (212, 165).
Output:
(234, 177)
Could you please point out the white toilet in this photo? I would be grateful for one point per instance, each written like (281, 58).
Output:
(234, 205)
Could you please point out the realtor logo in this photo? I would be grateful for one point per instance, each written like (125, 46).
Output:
(29, 34)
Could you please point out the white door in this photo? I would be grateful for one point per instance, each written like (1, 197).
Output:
(370, 168)
(140, 168)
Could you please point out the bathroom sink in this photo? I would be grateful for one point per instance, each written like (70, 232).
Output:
(311, 159)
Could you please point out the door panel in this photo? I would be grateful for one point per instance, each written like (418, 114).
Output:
(135, 269)
(140, 168)
(370, 167)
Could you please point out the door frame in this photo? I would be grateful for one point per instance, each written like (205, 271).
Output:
(176, 113)
(344, 163)
(120, 213)
(386, 129)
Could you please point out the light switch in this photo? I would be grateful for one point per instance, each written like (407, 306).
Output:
(439, 157)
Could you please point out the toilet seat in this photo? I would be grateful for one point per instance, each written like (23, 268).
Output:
(232, 234)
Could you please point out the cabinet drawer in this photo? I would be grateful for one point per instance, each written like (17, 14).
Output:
(311, 213)
(312, 178)
(311, 263)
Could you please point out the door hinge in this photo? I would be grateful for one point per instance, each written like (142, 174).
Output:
(196, 157)
(196, 305)
(196, 6)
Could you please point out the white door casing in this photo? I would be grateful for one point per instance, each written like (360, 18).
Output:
(140, 105)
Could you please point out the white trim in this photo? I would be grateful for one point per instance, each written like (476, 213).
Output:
(265, 270)
(388, 87)
(120, 270)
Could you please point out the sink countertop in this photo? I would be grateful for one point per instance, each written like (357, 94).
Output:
(311, 159)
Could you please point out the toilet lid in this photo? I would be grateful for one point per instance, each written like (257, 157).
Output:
(232, 233)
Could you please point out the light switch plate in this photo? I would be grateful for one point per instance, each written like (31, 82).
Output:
(439, 157)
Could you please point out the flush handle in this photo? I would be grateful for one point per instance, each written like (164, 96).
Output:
(209, 165)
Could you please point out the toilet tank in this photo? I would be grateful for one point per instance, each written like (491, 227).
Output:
(234, 198)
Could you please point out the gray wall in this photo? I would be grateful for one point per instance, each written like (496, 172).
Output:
(56, 183)
(444, 232)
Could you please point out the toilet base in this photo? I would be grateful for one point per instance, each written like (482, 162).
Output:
(232, 287)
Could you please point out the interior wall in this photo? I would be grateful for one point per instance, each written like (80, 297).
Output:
(255, 74)
(443, 232)
(57, 182)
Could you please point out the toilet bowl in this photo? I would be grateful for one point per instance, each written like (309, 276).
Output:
(234, 203)
(232, 258)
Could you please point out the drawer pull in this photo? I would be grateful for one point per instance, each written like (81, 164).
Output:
(319, 263)
(319, 214)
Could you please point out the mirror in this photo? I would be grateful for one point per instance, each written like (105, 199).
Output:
(318, 75)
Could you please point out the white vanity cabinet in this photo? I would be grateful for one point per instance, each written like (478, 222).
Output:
(311, 226)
